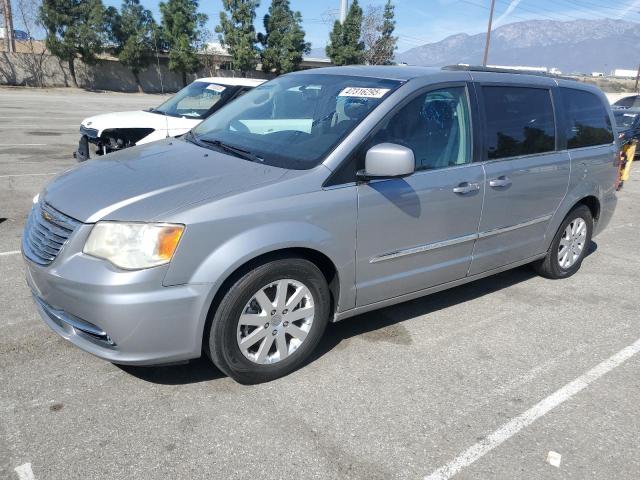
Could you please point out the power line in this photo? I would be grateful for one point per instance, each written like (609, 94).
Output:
(579, 6)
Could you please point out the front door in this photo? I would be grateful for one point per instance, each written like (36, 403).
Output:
(418, 231)
(526, 175)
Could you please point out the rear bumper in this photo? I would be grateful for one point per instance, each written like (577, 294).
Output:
(123, 317)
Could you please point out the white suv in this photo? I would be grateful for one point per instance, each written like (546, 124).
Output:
(186, 109)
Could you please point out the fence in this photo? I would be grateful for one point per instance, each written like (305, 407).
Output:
(42, 70)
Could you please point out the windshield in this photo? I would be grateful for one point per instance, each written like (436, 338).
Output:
(295, 120)
(195, 100)
(625, 119)
(632, 101)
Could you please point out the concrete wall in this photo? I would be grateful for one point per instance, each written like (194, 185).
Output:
(107, 74)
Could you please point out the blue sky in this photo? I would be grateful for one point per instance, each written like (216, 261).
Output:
(424, 21)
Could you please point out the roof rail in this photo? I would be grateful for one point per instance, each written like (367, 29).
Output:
(479, 68)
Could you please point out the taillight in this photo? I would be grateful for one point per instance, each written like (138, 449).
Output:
(620, 165)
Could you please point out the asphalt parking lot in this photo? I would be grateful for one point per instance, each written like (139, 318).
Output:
(483, 380)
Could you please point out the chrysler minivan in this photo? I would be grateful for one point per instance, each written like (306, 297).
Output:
(315, 197)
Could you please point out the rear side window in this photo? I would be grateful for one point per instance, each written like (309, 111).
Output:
(588, 122)
(518, 121)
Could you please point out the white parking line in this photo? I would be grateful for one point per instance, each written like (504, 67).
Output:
(23, 144)
(525, 419)
(12, 252)
(27, 175)
(24, 472)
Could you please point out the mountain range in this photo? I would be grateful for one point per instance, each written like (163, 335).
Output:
(572, 46)
(577, 46)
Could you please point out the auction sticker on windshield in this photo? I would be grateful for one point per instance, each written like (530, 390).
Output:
(363, 92)
(216, 88)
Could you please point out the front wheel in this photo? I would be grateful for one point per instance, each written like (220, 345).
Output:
(269, 321)
(569, 246)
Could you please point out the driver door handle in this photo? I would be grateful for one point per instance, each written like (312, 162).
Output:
(466, 187)
(501, 181)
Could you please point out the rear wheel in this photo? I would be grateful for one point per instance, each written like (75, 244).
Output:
(569, 246)
(269, 321)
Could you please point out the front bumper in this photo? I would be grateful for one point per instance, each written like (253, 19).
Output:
(87, 135)
(123, 317)
(82, 153)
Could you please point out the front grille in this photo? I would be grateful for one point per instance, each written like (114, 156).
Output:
(46, 232)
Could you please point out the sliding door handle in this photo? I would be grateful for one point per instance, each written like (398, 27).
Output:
(466, 187)
(501, 181)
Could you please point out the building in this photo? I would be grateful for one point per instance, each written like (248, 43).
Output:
(622, 73)
(222, 58)
(524, 68)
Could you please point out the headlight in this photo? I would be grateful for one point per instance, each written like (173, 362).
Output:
(133, 246)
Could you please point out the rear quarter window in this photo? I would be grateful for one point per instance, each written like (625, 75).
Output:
(588, 122)
(518, 121)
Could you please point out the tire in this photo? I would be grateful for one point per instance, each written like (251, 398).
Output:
(295, 339)
(556, 266)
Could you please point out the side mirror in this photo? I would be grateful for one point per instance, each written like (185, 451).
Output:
(387, 160)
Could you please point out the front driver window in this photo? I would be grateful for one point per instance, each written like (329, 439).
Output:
(435, 125)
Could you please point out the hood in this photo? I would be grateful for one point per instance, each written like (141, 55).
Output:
(134, 119)
(142, 183)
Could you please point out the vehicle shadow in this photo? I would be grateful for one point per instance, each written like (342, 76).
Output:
(370, 322)
(194, 371)
(386, 317)
(202, 370)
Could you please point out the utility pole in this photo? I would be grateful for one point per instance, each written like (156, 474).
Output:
(637, 80)
(9, 40)
(488, 40)
(344, 6)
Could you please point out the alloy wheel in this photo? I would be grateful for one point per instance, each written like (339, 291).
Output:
(572, 243)
(275, 321)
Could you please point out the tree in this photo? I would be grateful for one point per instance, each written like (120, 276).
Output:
(9, 40)
(283, 40)
(237, 34)
(132, 30)
(28, 14)
(377, 33)
(345, 46)
(182, 30)
(75, 29)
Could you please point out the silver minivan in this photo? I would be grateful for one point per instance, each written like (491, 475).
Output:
(315, 197)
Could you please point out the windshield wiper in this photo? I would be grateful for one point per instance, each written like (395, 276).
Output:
(155, 110)
(246, 154)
